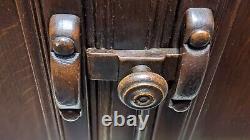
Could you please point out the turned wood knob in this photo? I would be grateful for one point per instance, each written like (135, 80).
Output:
(142, 89)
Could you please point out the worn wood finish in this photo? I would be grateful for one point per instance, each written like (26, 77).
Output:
(124, 25)
(178, 125)
(80, 128)
(129, 24)
(219, 44)
(26, 108)
(225, 112)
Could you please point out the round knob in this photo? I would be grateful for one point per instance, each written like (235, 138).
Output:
(142, 89)
(63, 46)
(199, 38)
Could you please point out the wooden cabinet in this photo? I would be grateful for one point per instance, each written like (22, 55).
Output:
(28, 111)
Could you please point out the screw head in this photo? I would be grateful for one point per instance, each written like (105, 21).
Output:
(143, 100)
(63, 46)
(199, 38)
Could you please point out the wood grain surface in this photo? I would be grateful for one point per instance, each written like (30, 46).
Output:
(26, 109)
(27, 112)
(129, 24)
(225, 112)
(174, 125)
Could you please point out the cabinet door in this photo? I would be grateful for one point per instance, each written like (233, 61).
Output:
(221, 112)
(28, 110)
(26, 107)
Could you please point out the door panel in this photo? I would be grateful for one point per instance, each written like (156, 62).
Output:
(124, 25)
(178, 126)
(26, 108)
(128, 24)
(225, 112)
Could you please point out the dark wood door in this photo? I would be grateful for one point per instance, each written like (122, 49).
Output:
(27, 108)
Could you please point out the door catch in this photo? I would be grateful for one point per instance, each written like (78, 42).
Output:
(64, 35)
(196, 44)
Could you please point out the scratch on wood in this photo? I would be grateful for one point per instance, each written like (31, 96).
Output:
(29, 100)
(26, 77)
(20, 71)
(3, 52)
(6, 29)
(27, 90)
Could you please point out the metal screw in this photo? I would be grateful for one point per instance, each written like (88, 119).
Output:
(199, 38)
(144, 100)
(63, 46)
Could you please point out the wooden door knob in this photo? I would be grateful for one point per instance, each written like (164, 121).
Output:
(142, 89)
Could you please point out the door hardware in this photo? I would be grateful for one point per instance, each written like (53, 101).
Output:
(184, 66)
(65, 61)
(142, 89)
(198, 31)
(113, 65)
(146, 86)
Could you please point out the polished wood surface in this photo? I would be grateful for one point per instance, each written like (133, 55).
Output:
(27, 111)
(129, 24)
(179, 125)
(79, 129)
(225, 112)
(26, 108)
